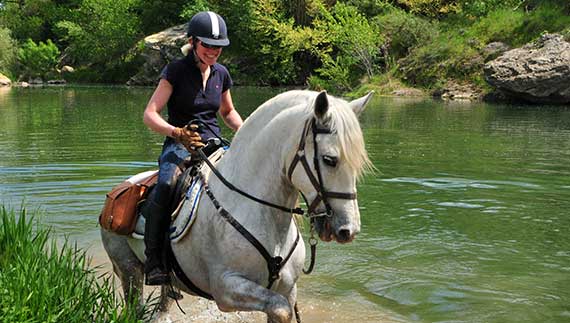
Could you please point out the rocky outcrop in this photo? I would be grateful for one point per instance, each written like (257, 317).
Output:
(4, 80)
(458, 92)
(159, 49)
(537, 72)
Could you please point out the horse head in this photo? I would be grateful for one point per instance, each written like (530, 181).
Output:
(332, 154)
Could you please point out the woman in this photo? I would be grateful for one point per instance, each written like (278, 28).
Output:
(194, 87)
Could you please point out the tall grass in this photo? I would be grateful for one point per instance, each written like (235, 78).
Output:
(43, 282)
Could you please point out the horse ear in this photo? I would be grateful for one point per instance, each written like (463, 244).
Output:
(359, 105)
(321, 105)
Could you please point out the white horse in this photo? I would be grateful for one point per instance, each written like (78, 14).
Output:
(297, 128)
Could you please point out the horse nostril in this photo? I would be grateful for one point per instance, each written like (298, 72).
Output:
(344, 235)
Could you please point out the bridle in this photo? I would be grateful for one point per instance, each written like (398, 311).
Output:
(317, 181)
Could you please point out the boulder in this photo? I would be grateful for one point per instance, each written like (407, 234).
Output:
(4, 80)
(67, 69)
(159, 49)
(494, 49)
(458, 92)
(56, 82)
(538, 72)
(408, 92)
(36, 81)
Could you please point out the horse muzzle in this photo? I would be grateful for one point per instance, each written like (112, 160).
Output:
(328, 230)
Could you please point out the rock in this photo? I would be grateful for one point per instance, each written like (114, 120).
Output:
(538, 72)
(408, 92)
(456, 91)
(159, 49)
(67, 69)
(36, 81)
(56, 82)
(494, 50)
(24, 84)
(4, 80)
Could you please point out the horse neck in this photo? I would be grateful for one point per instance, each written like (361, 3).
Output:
(256, 164)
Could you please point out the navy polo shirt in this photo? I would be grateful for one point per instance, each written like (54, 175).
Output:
(189, 100)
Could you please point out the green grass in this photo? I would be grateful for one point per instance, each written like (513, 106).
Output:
(43, 282)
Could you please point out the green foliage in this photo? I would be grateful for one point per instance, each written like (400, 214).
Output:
(372, 8)
(457, 52)
(405, 31)
(7, 51)
(499, 25)
(430, 8)
(481, 8)
(157, 15)
(547, 17)
(449, 56)
(101, 33)
(191, 8)
(38, 60)
(353, 47)
(44, 282)
(35, 19)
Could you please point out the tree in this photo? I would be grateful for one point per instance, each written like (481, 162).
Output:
(100, 31)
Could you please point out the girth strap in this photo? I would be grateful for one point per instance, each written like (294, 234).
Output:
(274, 264)
(182, 276)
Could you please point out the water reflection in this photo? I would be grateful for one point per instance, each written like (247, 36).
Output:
(466, 219)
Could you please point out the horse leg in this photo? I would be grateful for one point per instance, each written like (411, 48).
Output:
(167, 293)
(125, 265)
(293, 302)
(236, 293)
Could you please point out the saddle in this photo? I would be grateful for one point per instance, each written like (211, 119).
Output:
(122, 210)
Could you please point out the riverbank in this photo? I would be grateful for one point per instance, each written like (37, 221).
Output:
(407, 48)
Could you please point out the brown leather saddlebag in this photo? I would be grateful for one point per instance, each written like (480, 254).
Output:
(120, 211)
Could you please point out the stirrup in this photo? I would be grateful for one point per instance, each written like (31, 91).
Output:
(156, 277)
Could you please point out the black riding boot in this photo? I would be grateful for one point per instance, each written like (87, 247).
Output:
(156, 226)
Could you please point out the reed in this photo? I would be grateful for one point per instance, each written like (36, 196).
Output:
(41, 281)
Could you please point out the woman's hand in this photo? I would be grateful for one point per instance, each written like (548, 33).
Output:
(189, 137)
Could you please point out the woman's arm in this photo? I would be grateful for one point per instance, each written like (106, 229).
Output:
(152, 117)
(228, 113)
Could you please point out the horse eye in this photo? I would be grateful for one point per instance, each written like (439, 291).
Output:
(330, 160)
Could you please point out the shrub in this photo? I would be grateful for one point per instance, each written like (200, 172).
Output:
(499, 25)
(104, 43)
(42, 282)
(449, 56)
(351, 48)
(546, 17)
(7, 51)
(38, 60)
(405, 31)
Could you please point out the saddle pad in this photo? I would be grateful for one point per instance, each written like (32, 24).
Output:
(185, 212)
(185, 218)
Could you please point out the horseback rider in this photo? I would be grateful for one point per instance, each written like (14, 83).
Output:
(194, 87)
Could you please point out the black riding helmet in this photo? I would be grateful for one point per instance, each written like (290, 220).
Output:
(209, 28)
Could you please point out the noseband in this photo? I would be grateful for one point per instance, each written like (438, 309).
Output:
(317, 181)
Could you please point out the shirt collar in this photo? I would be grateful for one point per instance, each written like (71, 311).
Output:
(192, 63)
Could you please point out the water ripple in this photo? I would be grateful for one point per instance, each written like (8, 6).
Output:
(453, 183)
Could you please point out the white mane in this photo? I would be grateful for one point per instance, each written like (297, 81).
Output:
(297, 107)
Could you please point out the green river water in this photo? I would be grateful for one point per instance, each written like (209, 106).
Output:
(465, 220)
